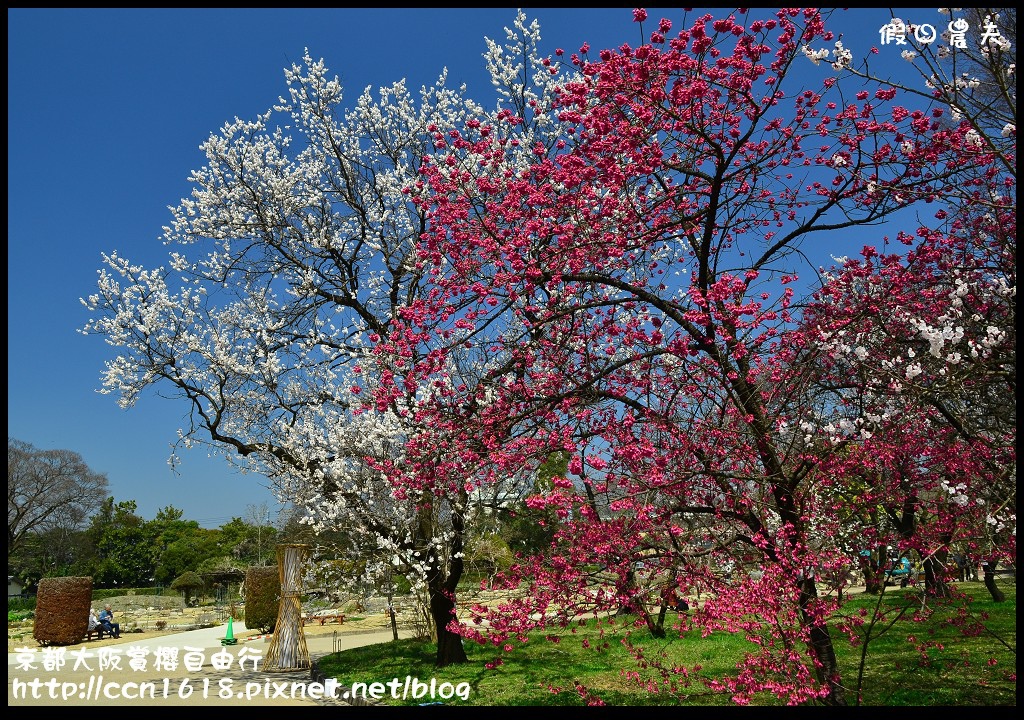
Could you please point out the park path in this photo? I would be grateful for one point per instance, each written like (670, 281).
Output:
(39, 678)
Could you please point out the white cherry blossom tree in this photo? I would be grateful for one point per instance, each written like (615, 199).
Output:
(289, 262)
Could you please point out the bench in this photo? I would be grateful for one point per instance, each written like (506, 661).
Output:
(323, 619)
(96, 634)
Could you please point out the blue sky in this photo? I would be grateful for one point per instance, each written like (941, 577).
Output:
(106, 111)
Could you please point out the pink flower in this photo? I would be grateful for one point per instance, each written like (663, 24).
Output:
(639, 15)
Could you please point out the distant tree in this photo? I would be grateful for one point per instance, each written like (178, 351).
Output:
(259, 521)
(195, 551)
(48, 490)
(124, 549)
(177, 544)
(168, 525)
(488, 554)
(243, 543)
(291, 529)
(55, 552)
(531, 530)
(188, 583)
(120, 546)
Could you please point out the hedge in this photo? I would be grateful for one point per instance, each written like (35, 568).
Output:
(62, 610)
(262, 597)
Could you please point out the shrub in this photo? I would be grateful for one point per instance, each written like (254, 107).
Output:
(262, 597)
(161, 624)
(21, 603)
(187, 583)
(62, 610)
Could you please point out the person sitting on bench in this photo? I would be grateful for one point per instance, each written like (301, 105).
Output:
(107, 622)
(94, 624)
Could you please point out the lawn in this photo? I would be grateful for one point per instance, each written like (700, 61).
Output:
(939, 657)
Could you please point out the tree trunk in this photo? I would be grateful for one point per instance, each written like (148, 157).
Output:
(442, 610)
(441, 587)
(989, 568)
(391, 610)
(634, 604)
(872, 584)
(657, 628)
(824, 651)
(660, 625)
(935, 570)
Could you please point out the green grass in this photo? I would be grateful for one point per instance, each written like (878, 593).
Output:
(941, 666)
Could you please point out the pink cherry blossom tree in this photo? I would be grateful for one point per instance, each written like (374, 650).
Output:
(934, 328)
(637, 291)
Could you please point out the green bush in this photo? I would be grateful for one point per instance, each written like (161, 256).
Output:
(262, 597)
(21, 604)
(402, 585)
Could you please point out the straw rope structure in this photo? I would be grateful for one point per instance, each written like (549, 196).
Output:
(288, 650)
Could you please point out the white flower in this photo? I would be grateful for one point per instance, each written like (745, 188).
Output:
(843, 56)
(837, 160)
(815, 56)
(861, 352)
(909, 55)
(913, 371)
(1009, 129)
